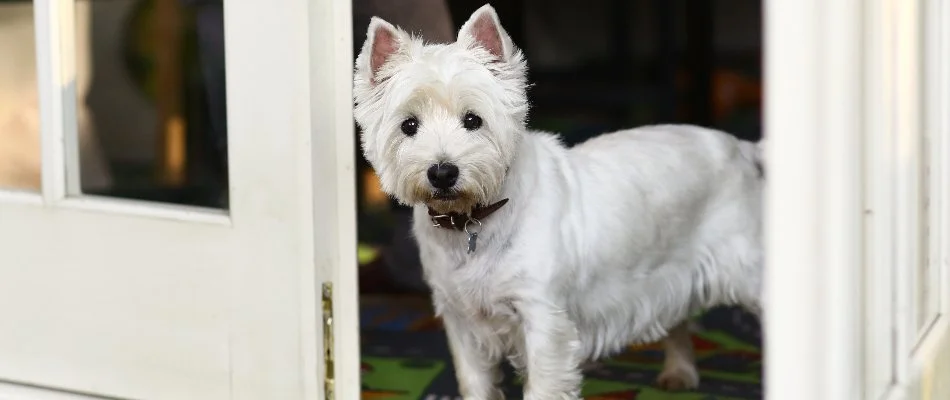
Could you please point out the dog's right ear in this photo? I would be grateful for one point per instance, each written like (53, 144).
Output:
(483, 29)
(382, 41)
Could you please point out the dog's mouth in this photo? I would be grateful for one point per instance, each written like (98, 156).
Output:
(445, 195)
(445, 201)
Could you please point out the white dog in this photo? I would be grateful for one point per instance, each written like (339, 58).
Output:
(545, 255)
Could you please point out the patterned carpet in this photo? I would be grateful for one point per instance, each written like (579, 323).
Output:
(405, 357)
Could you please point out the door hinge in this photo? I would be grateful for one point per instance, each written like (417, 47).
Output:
(328, 392)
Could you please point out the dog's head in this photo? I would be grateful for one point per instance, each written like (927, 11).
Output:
(441, 122)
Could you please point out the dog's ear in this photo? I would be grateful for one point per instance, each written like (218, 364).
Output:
(484, 29)
(382, 41)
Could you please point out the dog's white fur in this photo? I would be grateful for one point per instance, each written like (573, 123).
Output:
(612, 242)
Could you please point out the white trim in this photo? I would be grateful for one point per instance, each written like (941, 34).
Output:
(942, 163)
(14, 391)
(57, 95)
(20, 197)
(334, 172)
(907, 156)
(146, 209)
(937, 129)
(126, 207)
(878, 274)
(813, 71)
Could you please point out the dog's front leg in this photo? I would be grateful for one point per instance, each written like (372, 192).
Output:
(553, 353)
(476, 354)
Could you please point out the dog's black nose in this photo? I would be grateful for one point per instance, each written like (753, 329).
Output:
(443, 176)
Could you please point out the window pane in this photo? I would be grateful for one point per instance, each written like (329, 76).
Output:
(19, 113)
(154, 98)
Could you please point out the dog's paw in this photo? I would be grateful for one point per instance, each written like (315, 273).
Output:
(678, 379)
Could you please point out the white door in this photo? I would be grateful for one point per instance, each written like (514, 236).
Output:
(109, 298)
(858, 127)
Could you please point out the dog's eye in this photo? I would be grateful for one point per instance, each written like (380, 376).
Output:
(410, 126)
(471, 122)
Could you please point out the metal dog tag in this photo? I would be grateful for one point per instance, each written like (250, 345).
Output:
(472, 234)
(472, 242)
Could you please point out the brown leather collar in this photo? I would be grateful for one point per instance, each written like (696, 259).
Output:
(456, 221)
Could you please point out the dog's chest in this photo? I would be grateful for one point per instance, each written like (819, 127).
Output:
(478, 294)
(481, 284)
(475, 287)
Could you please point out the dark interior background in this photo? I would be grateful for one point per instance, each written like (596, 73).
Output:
(603, 65)
(595, 65)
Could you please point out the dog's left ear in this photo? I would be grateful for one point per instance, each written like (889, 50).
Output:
(484, 29)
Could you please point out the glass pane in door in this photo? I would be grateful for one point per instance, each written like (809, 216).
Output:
(151, 100)
(19, 113)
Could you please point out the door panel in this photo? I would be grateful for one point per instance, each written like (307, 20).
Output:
(113, 316)
(117, 298)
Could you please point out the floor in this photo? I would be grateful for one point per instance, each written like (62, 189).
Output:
(405, 357)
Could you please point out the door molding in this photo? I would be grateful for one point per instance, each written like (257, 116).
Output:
(334, 181)
(856, 100)
(813, 118)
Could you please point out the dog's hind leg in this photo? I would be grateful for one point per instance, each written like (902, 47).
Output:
(679, 365)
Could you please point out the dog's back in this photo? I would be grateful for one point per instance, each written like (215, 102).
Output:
(670, 212)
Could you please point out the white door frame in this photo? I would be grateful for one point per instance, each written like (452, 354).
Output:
(853, 90)
(812, 120)
(334, 174)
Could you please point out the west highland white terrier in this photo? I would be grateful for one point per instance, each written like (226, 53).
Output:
(544, 255)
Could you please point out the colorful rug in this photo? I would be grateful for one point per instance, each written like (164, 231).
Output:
(405, 357)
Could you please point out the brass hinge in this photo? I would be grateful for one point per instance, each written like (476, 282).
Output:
(328, 392)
